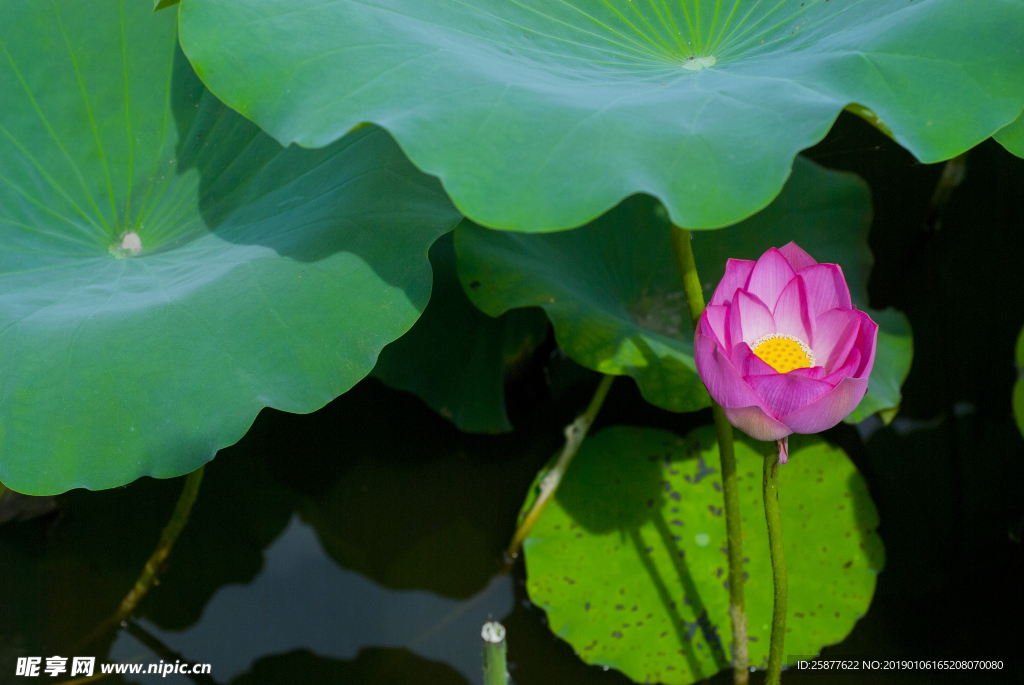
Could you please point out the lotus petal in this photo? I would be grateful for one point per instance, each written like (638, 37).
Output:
(829, 409)
(749, 319)
(756, 423)
(737, 273)
(784, 393)
(770, 276)
(796, 256)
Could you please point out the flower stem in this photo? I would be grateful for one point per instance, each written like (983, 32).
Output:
(574, 434)
(737, 613)
(771, 513)
(153, 565)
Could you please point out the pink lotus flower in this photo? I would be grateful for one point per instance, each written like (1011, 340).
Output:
(782, 348)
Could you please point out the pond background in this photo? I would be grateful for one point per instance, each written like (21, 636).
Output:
(363, 543)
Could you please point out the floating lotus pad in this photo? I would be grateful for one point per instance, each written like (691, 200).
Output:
(167, 270)
(629, 560)
(541, 115)
(613, 293)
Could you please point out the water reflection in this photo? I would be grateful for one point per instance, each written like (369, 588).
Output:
(303, 600)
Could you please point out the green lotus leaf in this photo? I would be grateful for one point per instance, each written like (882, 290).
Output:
(1018, 387)
(455, 357)
(1012, 136)
(613, 293)
(611, 290)
(541, 115)
(629, 560)
(167, 270)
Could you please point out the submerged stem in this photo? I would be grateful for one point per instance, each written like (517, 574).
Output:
(156, 646)
(494, 654)
(730, 491)
(771, 513)
(574, 434)
(152, 568)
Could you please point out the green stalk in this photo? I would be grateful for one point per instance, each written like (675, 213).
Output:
(771, 513)
(574, 434)
(174, 527)
(730, 490)
(494, 654)
(153, 565)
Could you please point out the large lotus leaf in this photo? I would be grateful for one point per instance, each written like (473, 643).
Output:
(611, 290)
(541, 115)
(1018, 387)
(1012, 136)
(167, 270)
(613, 293)
(629, 561)
(455, 358)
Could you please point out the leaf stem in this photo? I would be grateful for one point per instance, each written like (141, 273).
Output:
(153, 565)
(574, 434)
(681, 242)
(771, 513)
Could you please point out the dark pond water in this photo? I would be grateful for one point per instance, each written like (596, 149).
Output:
(363, 543)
